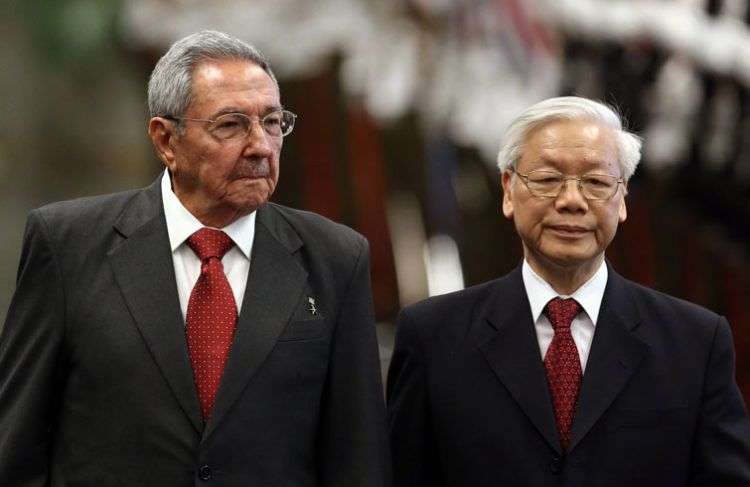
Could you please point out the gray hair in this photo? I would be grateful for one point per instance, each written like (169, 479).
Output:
(170, 85)
(569, 108)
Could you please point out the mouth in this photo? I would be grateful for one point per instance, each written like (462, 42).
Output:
(569, 231)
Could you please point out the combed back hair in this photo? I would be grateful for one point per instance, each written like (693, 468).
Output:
(170, 85)
(569, 108)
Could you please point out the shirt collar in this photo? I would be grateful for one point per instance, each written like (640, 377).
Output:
(589, 295)
(181, 223)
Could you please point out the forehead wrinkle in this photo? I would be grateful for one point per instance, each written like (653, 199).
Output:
(235, 109)
(214, 72)
(588, 143)
(218, 88)
(589, 157)
(559, 159)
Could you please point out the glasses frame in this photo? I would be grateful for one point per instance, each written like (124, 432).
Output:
(252, 119)
(565, 179)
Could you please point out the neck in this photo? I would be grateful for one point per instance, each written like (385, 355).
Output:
(565, 280)
(211, 216)
(215, 219)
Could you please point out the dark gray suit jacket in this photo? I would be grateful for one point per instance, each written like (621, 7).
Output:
(469, 403)
(96, 386)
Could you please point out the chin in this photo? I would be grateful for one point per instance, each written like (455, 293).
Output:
(573, 260)
(568, 257)
(251, 203)
(251, 199)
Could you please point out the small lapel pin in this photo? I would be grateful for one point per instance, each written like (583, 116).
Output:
(312, 309)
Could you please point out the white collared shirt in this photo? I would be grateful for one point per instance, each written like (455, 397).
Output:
(187, 266)
(589, 296)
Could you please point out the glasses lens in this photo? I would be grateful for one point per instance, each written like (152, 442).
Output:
(544, 183)
(273, 124)
(598, 186)
(279, 123)
(230, 126)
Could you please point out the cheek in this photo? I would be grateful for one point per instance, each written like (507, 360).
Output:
(215, 175)
(217, 166)
(530, 217)
(273, 178)
(608, 225)
(275, 164)
(275, 173)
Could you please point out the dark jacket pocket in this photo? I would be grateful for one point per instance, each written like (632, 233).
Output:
(304, 330)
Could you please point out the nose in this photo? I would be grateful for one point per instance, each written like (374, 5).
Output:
(258, 142)
(571, 198)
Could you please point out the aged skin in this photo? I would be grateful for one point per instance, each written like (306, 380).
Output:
(564, 238)
(219, 181)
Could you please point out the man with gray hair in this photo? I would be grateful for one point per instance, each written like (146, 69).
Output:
(191, 332)
(563, 372)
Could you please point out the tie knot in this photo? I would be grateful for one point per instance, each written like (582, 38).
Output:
(207, 243)
(561, 312)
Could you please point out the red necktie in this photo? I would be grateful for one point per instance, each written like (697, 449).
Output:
(211, 315)
(563, 365)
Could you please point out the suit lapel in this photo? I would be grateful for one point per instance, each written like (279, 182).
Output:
(512, 350)
(614, 357)
(274, 286)
(143, 269)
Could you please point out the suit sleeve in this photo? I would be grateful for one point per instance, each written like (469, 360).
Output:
(30, 368)
(353, 448)
(415, 460)
(721, 454)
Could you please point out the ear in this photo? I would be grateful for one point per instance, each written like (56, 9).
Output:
(163, 135)
(622, 211)
(506, 180)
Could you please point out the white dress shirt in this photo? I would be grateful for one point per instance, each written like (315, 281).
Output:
(589, 296)
(187, 266)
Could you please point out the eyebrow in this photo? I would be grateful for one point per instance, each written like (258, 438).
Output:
(227, 110)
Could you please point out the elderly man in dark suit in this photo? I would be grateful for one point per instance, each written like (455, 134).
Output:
(563, 372)
(191, 332)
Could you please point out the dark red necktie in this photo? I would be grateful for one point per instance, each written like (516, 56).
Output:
(563, 365)
(211, 315)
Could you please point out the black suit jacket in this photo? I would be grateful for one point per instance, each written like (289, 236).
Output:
(96, 387)
(469, 403)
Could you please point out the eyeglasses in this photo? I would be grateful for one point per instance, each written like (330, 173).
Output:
(549, 184)
(278, 123)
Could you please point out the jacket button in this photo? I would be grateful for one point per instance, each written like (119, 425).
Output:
(204, 473)
(556, 465)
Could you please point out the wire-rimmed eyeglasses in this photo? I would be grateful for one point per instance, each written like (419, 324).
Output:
(548, 184)
(278, 123)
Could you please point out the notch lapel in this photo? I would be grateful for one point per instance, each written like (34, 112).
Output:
(143, 269)
(614, 357)
(275, 284)
(512, 351)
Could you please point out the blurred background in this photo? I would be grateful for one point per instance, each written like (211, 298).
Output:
(402, 105)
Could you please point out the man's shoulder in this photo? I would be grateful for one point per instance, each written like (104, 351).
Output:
(318, 231)
(88, 210)
(448, 309)
(658, 307)
(444, 321)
